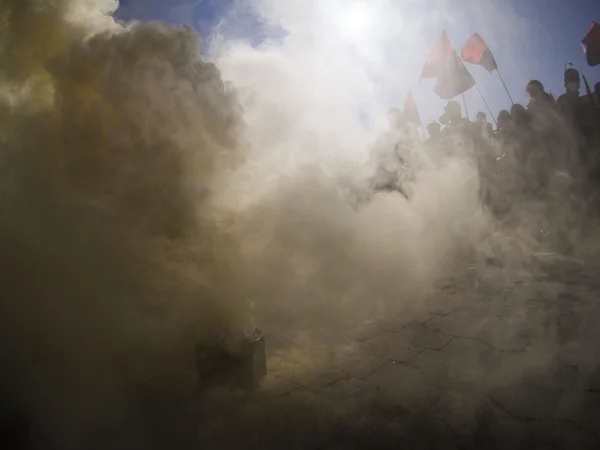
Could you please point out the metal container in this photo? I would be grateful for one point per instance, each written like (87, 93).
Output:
(243, 369)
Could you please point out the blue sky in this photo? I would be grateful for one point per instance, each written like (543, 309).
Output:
(529, 38)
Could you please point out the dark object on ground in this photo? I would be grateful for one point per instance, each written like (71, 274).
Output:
(241, 370)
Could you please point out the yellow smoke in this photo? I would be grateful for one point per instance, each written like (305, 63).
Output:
(113, 262)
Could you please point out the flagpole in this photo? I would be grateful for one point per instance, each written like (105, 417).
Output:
(588, 91)
(487, 106)
(504, 84)
(465, 105)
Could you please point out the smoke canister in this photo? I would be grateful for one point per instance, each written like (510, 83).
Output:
(255, 358)
(243, 369)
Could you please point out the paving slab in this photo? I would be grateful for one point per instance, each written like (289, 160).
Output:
(460, 365)
(393, 347)
(495, 360)
(405, 386)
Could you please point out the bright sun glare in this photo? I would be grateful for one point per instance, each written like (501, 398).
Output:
(355, 21)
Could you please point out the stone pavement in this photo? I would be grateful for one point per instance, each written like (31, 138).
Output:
(501, 360)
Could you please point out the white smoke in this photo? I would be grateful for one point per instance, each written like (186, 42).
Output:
(305, 99)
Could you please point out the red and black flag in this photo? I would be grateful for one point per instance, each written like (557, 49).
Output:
(476, 51)
(591, 45)
(410, 111)
(452, 77)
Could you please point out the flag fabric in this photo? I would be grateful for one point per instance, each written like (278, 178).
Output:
(591, 45)
(553, 98)
(452, 77)
(410, 111)
(476, 51)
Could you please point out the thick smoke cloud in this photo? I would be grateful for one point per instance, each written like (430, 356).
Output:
(314, 105)
(114, 263)
(148, 206)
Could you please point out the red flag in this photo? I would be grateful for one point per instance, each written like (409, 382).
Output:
(591, 45)
(411, 113)
(477, 52)
(452, 77)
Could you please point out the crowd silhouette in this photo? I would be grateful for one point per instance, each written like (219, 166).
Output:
(516, 158)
